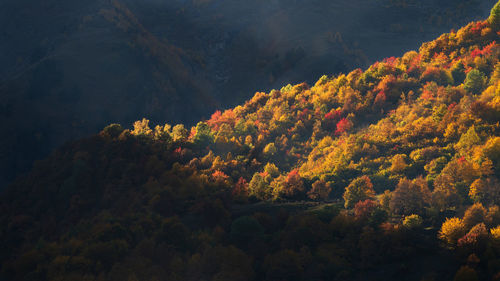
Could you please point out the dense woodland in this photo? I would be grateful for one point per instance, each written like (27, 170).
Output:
(391, 173)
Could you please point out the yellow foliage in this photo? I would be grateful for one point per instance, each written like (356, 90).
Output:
(452, 230)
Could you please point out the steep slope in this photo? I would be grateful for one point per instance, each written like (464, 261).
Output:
(399, 153)
(68, 68)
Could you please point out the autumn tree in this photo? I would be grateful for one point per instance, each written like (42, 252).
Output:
(359, 189)
(141, 128)
(320, 190)
(474, 214)
(289, 187)
(398, 163)
(485, 190)
(412, 222)
(179, 133)
(410, 197)
(452, 230)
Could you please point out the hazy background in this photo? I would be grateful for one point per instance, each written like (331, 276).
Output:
(68, 68)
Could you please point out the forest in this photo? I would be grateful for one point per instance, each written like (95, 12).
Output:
(388, 173)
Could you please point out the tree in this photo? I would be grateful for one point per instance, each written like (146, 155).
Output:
(162, 133)
(112, 131)
(364, 209)
(486, 191)
(179, 133)
(245, 230)
(474, 81)
(289, 187)
(466, 273)
(412, 221)
(343, 126)
(359, 189)
(475, 238)
(270, 150)
(141, 128)
(452, 230)
(258, 187)
(467, 140)
(494, 18)
(410, 197)
(271, 170)
(320, 190)
(203, 135)
(474, 214)
(398, 163)
(240, 190)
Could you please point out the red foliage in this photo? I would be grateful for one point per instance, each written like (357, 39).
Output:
(380, 98)
(218, 118)
(475, 236)
(333, 115)
(264, 174)
(486, 51)
(391, 61)
(452, 106)
(240, 188)
(293, 176)
(219, 176)
(303, 114)
(429, 91)
(363, 209)
(343, 126)
(478, 27)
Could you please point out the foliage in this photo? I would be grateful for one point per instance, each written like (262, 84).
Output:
(255, 192)
(452, 230)
(359, 189)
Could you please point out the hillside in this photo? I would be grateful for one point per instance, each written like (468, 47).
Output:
(391, 173)
(68, 68)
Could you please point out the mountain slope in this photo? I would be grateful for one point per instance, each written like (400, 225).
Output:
(398, 165)
(67, 69)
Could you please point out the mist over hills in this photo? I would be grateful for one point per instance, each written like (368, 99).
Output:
(70, 67)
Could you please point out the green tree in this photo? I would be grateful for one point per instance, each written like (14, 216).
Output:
(474, 82)
(203, 135)
(467, 140)
(494, 18)
(258, 187)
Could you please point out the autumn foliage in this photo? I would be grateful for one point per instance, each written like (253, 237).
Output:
(306, 182)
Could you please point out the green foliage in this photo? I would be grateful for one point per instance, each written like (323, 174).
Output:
(258, 187)
(494, 18)
(475, 81)
(203, 135)
(467, 140)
